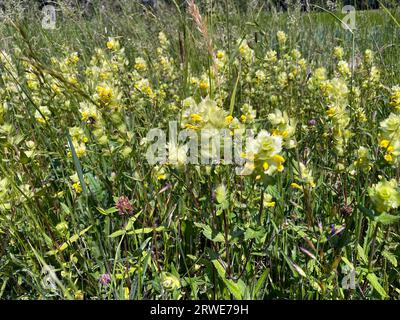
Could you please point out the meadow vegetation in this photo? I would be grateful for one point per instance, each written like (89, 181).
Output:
(83, 215)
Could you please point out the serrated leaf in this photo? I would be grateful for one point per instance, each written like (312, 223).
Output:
(361, 254)
(386, 218)
(390, 257)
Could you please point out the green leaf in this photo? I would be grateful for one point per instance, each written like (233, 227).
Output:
(208, 233)
(294, 267)
(65, 208)
(386, 218)
(390, 257)
(373, 280)
(146, 230)
(233, 287)
(220, 269)
(117, 233)
(367, 212)
(299, 270)
(361, 254)
(260, 282)
(70, 241)
(348, 263)
(106, 212)
(253, 234)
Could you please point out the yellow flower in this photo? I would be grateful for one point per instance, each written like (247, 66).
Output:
(78, 295)
(73, 58)
(395, 98)
(204, 85)
(368, 56)
(385, 195)
(268, 201)
(220, 54)
(196, 117)
(331, 111)
(294, 185)
(228, 120)
(388, 157)
(113, 44)
(105, 93)
(43, 114)
(77, 187)
(281, 36)
(140, 64)
(338, 52)
(190, 126)
(80, 149)
(384, 143)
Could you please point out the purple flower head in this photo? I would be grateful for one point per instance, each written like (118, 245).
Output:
(124, 206)
(336, 230)
(312, 122)
(105, 279)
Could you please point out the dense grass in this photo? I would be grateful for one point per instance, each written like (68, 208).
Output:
(199, 232)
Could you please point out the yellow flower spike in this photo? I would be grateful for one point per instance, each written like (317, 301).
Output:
(280, 168)
(265, 166)
(243, 118)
